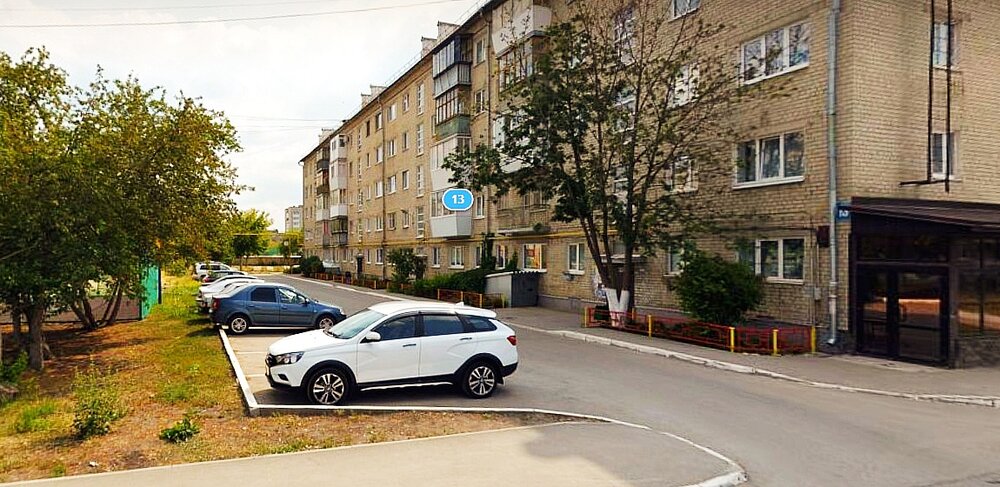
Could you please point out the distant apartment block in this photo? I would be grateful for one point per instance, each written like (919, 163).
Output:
(293, 218)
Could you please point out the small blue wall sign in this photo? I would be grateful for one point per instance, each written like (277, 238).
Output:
(457, 199)
(843, 213)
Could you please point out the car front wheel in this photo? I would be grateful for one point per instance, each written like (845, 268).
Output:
(239, 324)
(328, 387)
(479, 380)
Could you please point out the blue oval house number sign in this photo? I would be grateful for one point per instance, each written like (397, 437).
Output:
(457, 199)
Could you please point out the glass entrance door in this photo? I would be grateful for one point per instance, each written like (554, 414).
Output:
(873, 307)
(921, 299)
(903, 314)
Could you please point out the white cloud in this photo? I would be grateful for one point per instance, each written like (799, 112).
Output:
(304, 68)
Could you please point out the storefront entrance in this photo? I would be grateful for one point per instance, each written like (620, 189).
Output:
(925, 280)
(902, 313)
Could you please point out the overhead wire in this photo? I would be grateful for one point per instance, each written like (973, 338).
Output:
(174, 7)
(231, 19)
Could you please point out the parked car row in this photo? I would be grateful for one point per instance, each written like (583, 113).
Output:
(213, 271)
(401, 343)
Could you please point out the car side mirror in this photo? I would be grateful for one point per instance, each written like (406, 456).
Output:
(372, 336)
(305, 302)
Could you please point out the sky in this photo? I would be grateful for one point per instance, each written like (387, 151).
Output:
(278, 80)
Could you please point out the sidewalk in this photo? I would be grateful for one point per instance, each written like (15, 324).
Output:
(852, 371)
(584, 454)
(847, 370)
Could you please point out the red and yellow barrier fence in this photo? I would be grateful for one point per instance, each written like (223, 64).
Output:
(762, 340)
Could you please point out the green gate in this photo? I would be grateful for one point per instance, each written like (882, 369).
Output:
(151, 283)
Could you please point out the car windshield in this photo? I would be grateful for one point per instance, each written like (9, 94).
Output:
(350, 327)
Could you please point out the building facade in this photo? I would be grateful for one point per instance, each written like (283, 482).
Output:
(897, 255)
(293, 218)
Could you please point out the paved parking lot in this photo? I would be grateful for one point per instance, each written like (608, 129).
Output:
(783, 433)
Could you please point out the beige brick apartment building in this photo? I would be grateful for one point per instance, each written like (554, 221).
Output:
(918, 265)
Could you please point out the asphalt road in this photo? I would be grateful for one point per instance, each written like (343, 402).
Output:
(783, 434)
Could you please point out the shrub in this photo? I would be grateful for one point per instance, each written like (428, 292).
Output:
(311, 265)
(11, 374)
(715, 290)
(404, 262)
(97, 404)
(35, 418)
(472, 280)
(181, 431)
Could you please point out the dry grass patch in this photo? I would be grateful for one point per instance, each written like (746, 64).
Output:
(161, 369)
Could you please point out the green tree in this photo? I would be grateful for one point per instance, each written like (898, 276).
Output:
(250, 235)
(613, 118)
(98, 183)
(291, 243)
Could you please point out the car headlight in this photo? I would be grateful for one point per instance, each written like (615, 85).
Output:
(287, 358)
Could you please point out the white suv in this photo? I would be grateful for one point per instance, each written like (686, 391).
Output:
(397, 343)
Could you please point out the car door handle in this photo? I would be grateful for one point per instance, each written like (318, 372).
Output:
(464, 339)
(410, 345)
(284, 307)
(251, 306)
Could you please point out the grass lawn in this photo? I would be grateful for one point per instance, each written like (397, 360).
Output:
(162, 368)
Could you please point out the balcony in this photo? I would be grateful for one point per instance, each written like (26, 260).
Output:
(457, 125)
(528, 23)
(457, 225)
(441, 179)
(338, 239)
(338, 210)
(523, 220)
(322, 214)
(323, 180)
(459, 74)
(338, 176)
(339, 148)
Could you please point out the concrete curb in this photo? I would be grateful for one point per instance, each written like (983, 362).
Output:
(986, 401)
(736, 476)
(249, 401)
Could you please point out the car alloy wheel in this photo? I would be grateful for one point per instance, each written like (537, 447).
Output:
(238, 325)
(326, 322)
(327, 387)
(480, 380)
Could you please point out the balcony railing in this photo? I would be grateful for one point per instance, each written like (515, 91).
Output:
(523, 220)
(457, 225)
(338, 210)
(457, 125)
(322, 214)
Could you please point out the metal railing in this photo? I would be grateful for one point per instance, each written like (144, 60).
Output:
(479, 300)
(739, 339)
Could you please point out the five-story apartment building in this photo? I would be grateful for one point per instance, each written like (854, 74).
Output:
(876, 176)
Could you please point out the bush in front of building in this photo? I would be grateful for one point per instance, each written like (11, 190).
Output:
(311, 265)
(714, 290)
(470, 281)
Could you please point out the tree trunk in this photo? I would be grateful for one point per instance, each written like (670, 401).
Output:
(36, 347)
(18, 335)
(113, 316)
(80, 315)
(90, 322)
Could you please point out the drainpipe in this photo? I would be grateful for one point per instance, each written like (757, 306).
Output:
(385, 194)
(831, 147)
